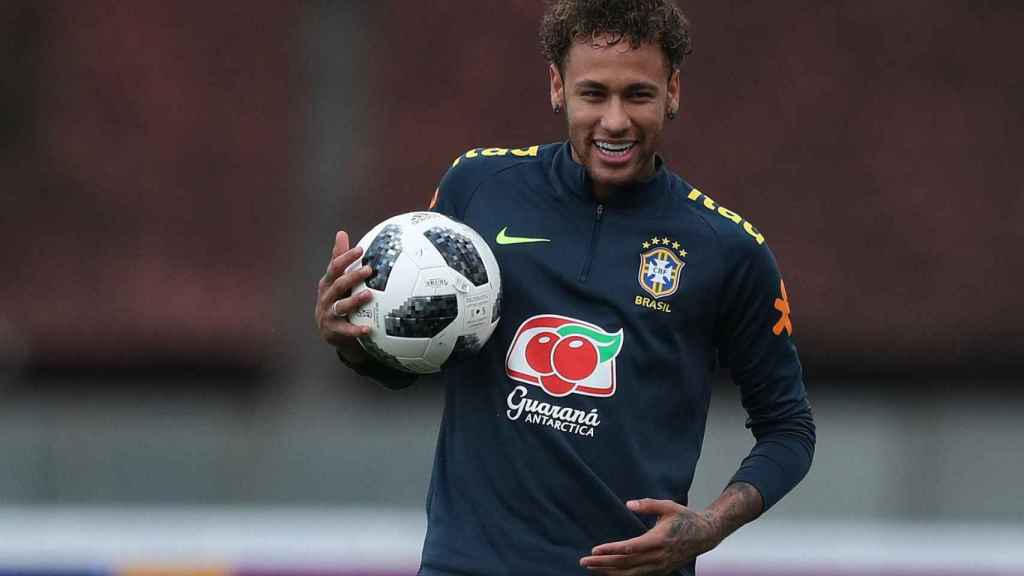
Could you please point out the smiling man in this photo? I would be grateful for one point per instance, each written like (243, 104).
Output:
(569, 441)
(617, 96)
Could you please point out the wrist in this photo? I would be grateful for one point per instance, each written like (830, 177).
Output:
(716, 527)
(738, 504)
(351, 352)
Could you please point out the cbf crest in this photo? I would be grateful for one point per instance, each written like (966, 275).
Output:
(661, 266)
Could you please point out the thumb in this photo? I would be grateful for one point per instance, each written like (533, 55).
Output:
(653, 507)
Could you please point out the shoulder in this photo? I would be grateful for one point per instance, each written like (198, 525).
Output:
(733, 231)
(478, 165)
(743, 248)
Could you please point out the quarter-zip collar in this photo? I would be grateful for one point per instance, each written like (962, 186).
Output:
(571, 178)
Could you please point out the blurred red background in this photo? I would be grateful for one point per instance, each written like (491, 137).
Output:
(147, 183)
(873, 143)
(146, 149)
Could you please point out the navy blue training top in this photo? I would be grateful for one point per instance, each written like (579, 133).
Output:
(594, 388)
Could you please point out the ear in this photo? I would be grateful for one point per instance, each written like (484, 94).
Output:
(673, 91)
(557, 87)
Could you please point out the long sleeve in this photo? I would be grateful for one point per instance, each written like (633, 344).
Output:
(755, 342)
(381, 374)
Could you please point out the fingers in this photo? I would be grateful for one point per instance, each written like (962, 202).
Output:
(644, 543)
(342, 287)
(337, 266)
(346, 306)
(340, 244)
(347, 329)
(654, 507)
(623, 564)
(334, 299)
(655, 551)
(335, 325)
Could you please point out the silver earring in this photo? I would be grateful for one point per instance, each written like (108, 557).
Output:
(557, 109)
(671, 114)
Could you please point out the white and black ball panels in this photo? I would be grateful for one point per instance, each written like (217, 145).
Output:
(436, 291)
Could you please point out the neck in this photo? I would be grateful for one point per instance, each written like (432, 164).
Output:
(603, 190)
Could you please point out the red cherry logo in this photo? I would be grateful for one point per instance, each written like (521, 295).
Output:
(574, 358)
(556, 386)
(538, 351)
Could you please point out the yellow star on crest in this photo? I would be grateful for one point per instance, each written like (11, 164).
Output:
(646, 245)
(665, 241)
(675, 245)
(655, 241)
(683, 253)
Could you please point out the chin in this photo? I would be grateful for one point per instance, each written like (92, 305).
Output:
(615, 177)
(600, 177)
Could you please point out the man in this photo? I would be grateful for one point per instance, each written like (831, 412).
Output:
(568, 443)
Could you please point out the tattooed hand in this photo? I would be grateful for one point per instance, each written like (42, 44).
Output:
(679, 535)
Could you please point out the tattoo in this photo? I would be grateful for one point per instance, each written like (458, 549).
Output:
(690, 534)
(679, 524)
(739, 503)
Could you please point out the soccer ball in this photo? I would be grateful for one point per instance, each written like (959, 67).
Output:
(436, 292)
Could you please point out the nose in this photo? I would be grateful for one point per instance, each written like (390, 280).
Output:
(615, 120)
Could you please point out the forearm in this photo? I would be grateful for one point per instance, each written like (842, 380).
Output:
(738, 504)
(781, 456)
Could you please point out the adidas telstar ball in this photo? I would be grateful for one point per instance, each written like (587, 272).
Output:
(436, 292)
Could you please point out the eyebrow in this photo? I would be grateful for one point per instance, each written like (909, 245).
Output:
(594, 85)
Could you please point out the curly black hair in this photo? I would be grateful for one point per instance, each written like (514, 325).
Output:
(659, 22)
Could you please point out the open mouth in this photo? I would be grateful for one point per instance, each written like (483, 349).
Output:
(614, 148)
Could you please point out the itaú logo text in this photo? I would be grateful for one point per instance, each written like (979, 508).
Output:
(564, 356)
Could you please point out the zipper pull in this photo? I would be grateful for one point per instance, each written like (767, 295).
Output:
(599, 212)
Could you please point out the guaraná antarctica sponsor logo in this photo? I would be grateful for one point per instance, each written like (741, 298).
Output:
(560, 418)
(561, 356)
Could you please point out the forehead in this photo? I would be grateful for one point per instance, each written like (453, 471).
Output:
(597, 60)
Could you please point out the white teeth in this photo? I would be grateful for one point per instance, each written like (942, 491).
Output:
(615, 149)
